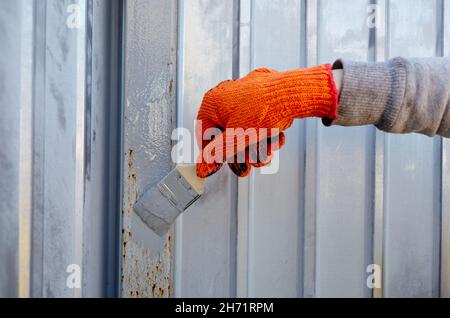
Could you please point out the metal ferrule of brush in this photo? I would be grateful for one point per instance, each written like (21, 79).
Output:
(177, 190)
(161, 205)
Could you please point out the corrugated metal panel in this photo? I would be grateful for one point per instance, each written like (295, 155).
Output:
(344, 198)
(306, 260)
(206, 235)
(274, 41)
(56, 100)
(343, 164)
(412, 171)
(10, 145)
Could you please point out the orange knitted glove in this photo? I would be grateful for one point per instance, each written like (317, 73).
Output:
(262, 99)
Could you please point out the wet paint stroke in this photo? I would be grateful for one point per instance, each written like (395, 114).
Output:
(149, 118)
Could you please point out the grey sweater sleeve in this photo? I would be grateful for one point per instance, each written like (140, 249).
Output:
(399, 95)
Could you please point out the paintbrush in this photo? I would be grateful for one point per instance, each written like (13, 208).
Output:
(159, 206)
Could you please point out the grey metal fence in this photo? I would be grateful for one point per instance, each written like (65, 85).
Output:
(345, 201)
(58, 147)
(91, 91)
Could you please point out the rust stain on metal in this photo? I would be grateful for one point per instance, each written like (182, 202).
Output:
(130, 160)
(171, 87)
(143, 275)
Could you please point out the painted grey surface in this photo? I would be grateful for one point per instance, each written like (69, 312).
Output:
(102, 200)
(56, 99)
(412, 172)
(316, 253)
(10, 12)
(269, 209)
(205, 238)
(344, 198)
(343, 168)
(445, 233)
(149, 87)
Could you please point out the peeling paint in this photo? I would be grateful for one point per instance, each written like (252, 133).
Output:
(143, 274)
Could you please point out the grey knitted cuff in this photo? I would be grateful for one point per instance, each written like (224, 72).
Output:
(371, 93)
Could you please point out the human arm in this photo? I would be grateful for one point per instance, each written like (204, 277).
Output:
(398, 96)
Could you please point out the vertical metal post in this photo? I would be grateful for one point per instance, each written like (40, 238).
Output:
(149, 117)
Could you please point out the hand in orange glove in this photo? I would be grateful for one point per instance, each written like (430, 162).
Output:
(263, 99)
